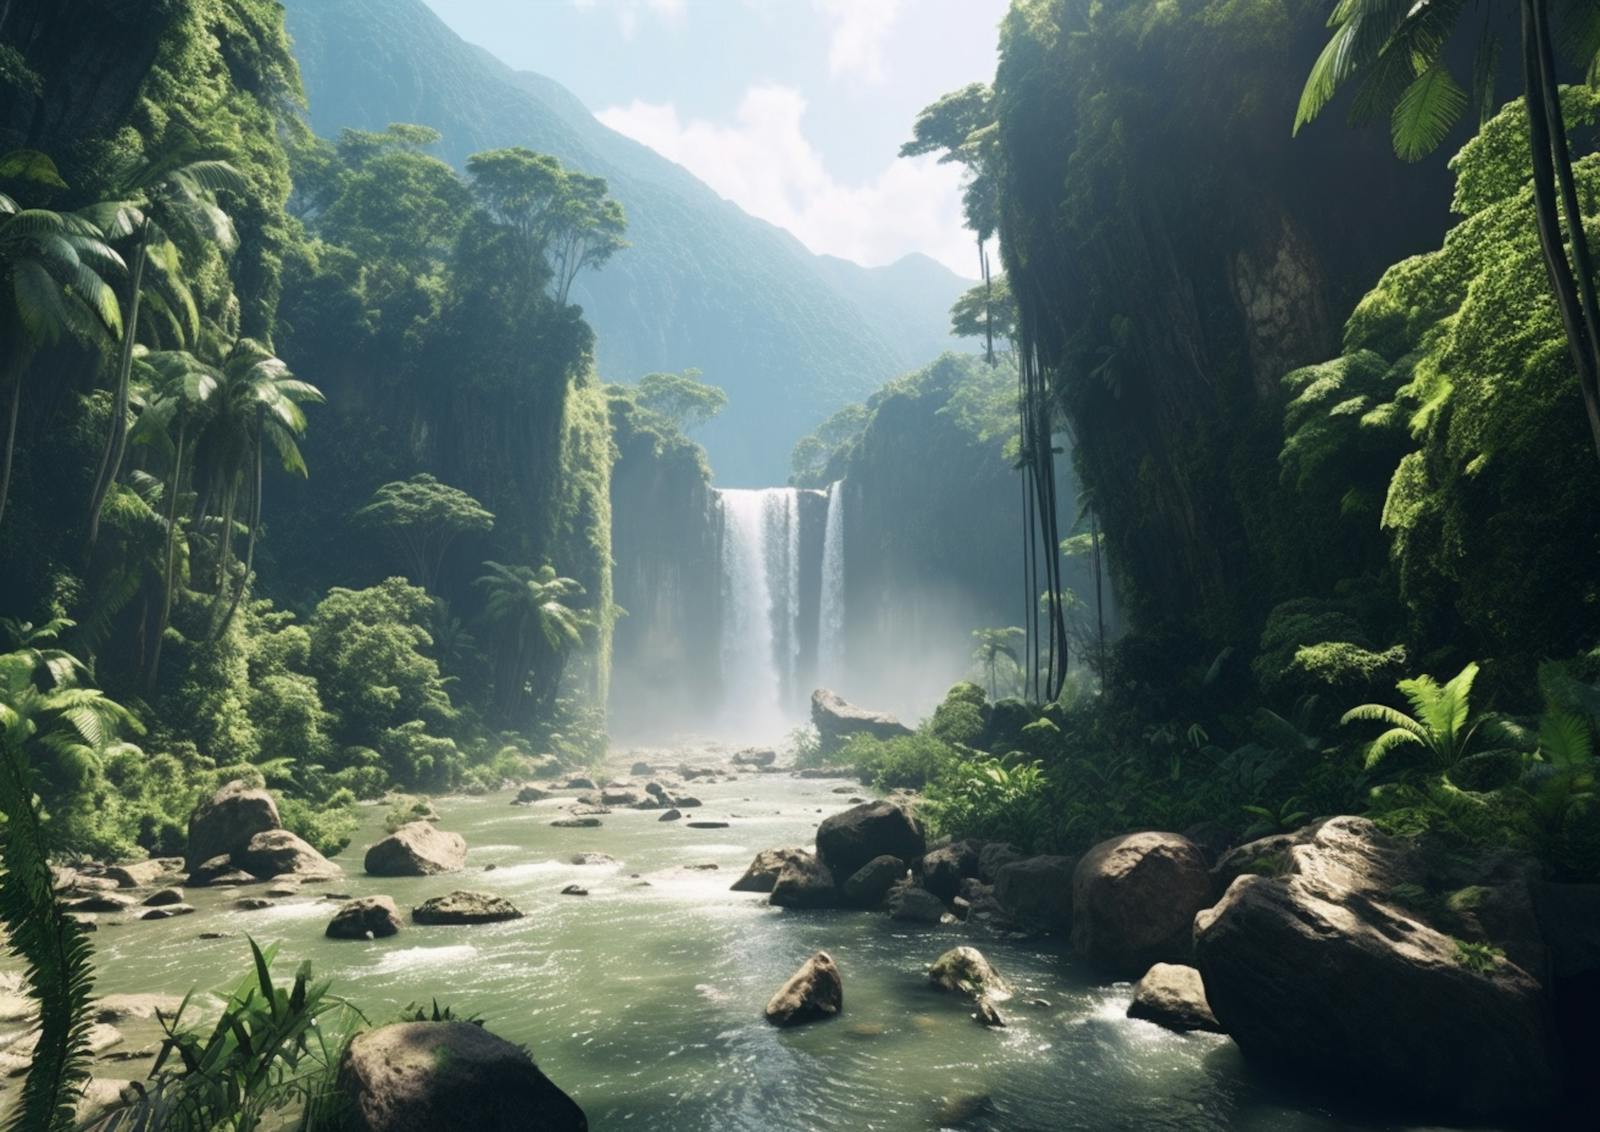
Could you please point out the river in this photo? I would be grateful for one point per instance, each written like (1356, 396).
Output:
(643, 1000)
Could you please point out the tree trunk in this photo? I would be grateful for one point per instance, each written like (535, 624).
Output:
(988, 303)
(170, 575)
(1558, 269)
(1099, 597)
(117, 438)
(254, 524)
(11, 440)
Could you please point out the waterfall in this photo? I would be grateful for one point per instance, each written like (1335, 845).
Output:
(760, 608)
(830, 627)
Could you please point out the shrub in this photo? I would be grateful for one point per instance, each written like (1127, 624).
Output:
(907, 761)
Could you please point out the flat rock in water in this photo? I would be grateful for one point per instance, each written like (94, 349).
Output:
(1173, 996)
(422, 1076)
(101, 902)
(576, 823)
(168, 911)
(122, 1007)
(707, 824)
(252, 903)
(529, 795)
(464, 907)
(574, 890)
(580, 782)
(814, 992)
(141, 874)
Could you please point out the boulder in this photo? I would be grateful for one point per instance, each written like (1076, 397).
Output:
(417, 849)
(656, 790)
(1317, 972)
(618, 796)
(755, 756)
(706, 824)
(370, 917)
(687, 802)
(591, 859)
(463, 907)
(161, 897)
(225, 822)
(1134, 899)
(944, 869)
(669, 815)
(252, 903)
(812, 993)
(1173, 996)
(837, 720)
(277, 852)
(528, 795)
(574, 890)
(964, 970)
(869, 884)
(431, 1076)
(144, 1007)
(917, 905)
(804, 882)
(987, 1014)
(166, 912)
(219, 872)
(141, 874)
(99, 902)
(763, 872)
(575, 823)
(649, 802)
(579, 783)
(1036, 892)
(640, 768)
(994, 856)
(848, 840)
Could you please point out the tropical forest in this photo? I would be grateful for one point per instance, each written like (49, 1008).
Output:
(799, 565)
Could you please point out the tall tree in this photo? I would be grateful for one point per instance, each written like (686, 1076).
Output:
(52, 268)
(682, 398)
(424, 517)
(1398, 53)
(175, 193)
(528, 609)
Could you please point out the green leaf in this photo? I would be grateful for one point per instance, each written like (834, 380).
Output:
(1426, 112)
(30, 165)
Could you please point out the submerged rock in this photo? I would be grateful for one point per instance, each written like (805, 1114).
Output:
(591, 859)
(1317, 972)
(814, 992)
(574, 890)
(837, 720)
(1173, 996)
(225, 822)
(370, 917)
(166, 911)
(869, 884)
(804, 882)
(576, 823)
(528, 795)
(763, 872)
(435, 1076)
(416, 849)
(848, 840)
(464, 907)
(707, 824)
(1134, 899)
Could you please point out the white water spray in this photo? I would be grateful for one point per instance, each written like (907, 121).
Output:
(830, 626)
(760, 608)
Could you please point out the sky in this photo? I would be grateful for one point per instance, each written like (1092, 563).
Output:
(792, 109)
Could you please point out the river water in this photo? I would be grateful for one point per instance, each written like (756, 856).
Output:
(644, 999)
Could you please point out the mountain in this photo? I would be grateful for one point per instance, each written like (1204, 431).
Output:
(790, 335)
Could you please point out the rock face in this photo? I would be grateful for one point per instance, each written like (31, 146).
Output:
(869, 884)
(225, 822)
(465, 908)
(763, 872)
(1134, 899)
(944, 869)
(1036, 892)
(848, 840)
(277, 852)
(964, 970)
(1315, 971)
(417, 849)
(812, 993)
(837, 720)
(370, 916)
(804, 882)
(422, 1076)
(1173, 996)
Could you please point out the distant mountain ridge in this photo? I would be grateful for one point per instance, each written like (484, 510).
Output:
(789, 334)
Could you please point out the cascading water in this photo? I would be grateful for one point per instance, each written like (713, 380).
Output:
(830, 620)
(760, 609)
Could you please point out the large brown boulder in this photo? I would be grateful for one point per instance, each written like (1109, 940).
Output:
(1315, 970)
(224, 823)
(812, 993)
(435, 1076)
(837, 720)
(417, 849)
(369, 917)
(1036, 892)
(1173, 996)
(763, 871)
(848, 840)
(1134, 899)
(869, 884)
(944, 869)
(804, 882)
(277, 852)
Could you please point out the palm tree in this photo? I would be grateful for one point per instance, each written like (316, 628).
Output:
(257, 404)
(183, 387)
(528, 607)
(992, 645)
(176, 193)
(45, 712)
(52, 268)
(1443, 724)
(1397, 49)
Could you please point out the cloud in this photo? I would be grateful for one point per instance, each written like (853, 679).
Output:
(857, 31)
(629, 11)
(764, 163)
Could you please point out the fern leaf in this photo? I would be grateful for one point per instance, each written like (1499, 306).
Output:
(1388, 741)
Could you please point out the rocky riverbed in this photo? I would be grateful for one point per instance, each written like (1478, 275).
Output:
(639, 978)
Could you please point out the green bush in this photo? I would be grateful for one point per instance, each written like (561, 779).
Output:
(990, 799)
(907, 761)
(961, 719)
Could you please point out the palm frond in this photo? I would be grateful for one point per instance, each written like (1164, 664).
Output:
(1426, 112)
